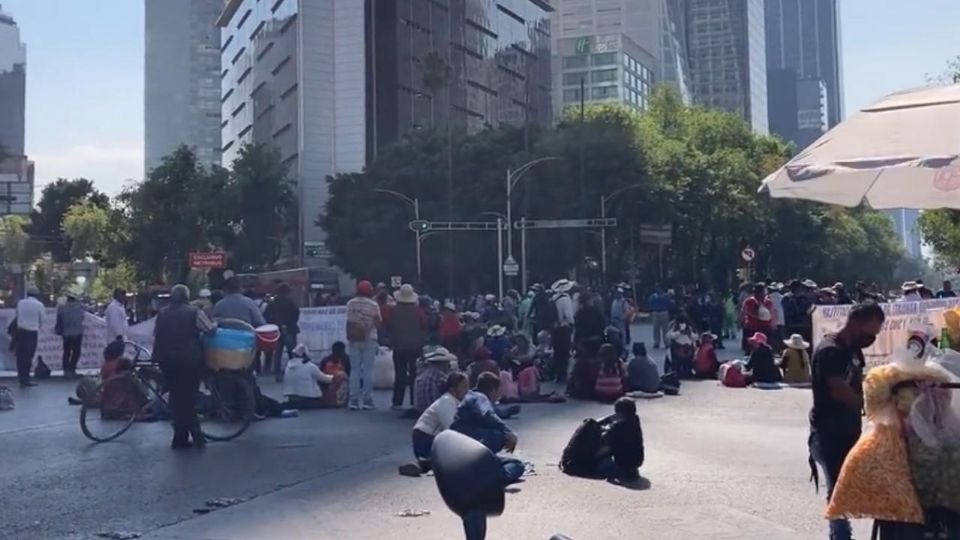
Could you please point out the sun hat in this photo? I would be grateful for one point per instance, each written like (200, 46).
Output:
(563, 285)
(496, 331)
(759, 338)
(406, 295)
(449, 306)
(440, 355)
(796, 342)
(204, 293)
(909, 286)
(809, 283)
(708, 336)
(490, 298)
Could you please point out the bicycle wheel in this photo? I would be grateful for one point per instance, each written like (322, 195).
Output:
(226, 405)
(115, 406)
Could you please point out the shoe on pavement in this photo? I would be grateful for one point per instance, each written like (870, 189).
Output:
(409, 469)
(353, 406)
(368, 406)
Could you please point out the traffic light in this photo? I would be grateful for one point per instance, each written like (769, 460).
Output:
(313, 252)
(420, 226)
(742, 274)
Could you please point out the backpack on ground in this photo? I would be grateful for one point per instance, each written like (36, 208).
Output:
(731, 375)
(7, 402)
(580, 455)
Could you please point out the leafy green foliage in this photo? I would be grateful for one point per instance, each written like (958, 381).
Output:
(122, 275)
(697, 171)
(46, 222)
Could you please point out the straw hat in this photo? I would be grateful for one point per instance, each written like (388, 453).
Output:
(496, 331)
(809, 283)
(205, 293)
(759, 338)
(909, 286)
(490, 298)
(563, 285)
(708, 336)
(449, 306)
(440, 355)
(406, 295)
(796, 342)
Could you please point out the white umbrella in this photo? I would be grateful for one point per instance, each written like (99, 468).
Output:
(902, 152)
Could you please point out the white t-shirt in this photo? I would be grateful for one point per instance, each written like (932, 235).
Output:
(777, 300)
(565, 312)
(301, 379)
(30, 314)
(439, 415)
(116, 317)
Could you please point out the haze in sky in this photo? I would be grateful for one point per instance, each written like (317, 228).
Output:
(85, 74)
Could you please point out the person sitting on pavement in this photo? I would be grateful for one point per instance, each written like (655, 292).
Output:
(705, 363)
(338, 361)
(497, 343)
(609, 384)
(450, 331)
(643, 375)
(432, 381)
(437, 417)
(796, 361)
(482, 363)
(114, 364)
(478, 418)
(681, 337)
(622, 450)
(761, 365)
(302, 383)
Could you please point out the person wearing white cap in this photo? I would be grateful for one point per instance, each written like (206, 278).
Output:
(911, 292)
(431, 380)
(29, 321)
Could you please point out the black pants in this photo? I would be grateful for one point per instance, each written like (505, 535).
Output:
(183, 381)
(71, 352)
(405, 373)
(561, 351)
(25, 345)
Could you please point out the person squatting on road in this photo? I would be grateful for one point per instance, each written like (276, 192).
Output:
(178, 350)
(477, 418)
(835, 419)
(436, 418)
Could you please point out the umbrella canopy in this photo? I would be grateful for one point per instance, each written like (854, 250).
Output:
(902, 152)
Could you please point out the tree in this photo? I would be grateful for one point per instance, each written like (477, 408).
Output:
(264, 207)
(170, 214)
(123, 275)
(89, 229)
(13, 239)
(46, 222)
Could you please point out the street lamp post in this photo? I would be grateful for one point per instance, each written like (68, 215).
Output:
(514, 176)
(415, 203)
(604, 199)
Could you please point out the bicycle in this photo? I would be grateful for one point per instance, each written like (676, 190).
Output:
(226, 404)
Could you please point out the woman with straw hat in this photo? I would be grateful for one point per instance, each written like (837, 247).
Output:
(407, 328)
(796, 360)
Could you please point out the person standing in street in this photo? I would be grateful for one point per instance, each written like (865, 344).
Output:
(30, 315)
(619, 309)
(178, 351)
(563, 331)
(363, 319)
(407, 330)
(835, 419)
(70, 328)
(284, 312)
(235, 305)
(116, 316)
(779, 316)
(659, 306)
(947, 291)
(759, 314)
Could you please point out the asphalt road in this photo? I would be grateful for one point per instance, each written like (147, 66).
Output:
(721, 463)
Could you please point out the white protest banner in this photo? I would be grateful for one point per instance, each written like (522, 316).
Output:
(321, 327)
(902, 320)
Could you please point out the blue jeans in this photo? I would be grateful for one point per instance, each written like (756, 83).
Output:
(422, 446)
(362, 356)
(512, 470)
(491, 438)
(829, 456)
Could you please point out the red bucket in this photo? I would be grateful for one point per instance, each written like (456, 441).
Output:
(268, 336)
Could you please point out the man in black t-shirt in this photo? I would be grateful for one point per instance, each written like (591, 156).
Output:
(835, 419)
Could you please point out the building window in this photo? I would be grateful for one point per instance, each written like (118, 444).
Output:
(244, 19)
(238, 109)
(276, 6)
(571, 96)
(227, 95)
(243, 76)
(604, 59)
(604, 75)
(263, 52)
(574, 62)
(604, 92)
(238, 55)
(280, 66)
(574, 78)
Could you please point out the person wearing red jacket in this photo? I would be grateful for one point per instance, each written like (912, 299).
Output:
(759, 314)
(451, 329)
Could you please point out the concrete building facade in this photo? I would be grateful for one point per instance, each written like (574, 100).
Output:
(182, 79)
(13, 86)
(727, 53)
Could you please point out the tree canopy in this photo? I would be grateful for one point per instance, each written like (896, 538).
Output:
(694, 170)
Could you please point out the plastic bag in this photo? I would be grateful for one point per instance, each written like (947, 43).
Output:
(875, 481)
(936, 474)
(933, 419)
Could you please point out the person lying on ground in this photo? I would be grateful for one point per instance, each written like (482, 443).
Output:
(621, 452)
(609, 384)
(437, 417)
(642, 372)
(302, 383)
(761, 365)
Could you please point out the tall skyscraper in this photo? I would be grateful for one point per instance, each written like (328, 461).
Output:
(905, 226)
(725, 42)
(617, 50)
(13, 85)
(182, 79)
(493, 58)
(805, 96)
(328, 82)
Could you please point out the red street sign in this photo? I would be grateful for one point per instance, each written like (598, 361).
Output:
(215, 259)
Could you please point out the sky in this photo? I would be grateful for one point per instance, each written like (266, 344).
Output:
(85, 74)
